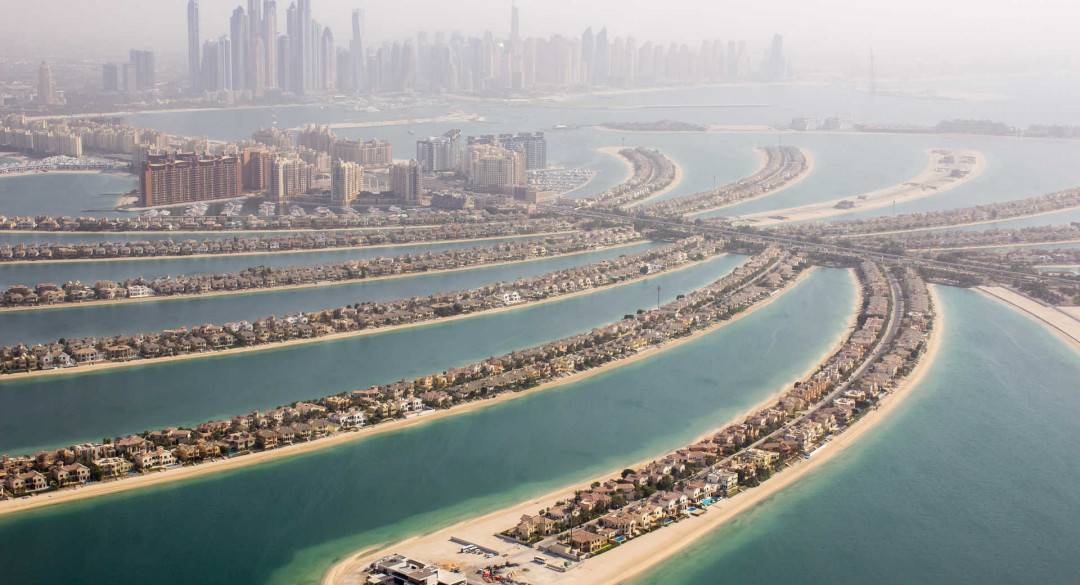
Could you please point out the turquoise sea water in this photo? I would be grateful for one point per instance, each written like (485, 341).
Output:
(72, 194)
(56, 411)
(290, 520)
(971, 480)
(74, 321)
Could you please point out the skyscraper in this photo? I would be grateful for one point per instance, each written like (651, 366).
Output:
(270, 41)
(306, 46)
(46, 95)
(194, 78)
(284, 64)
(514, 23)
(210, 67)
(238, 28)
(346, 181)
(144, 69)
(110, 77)
(356, 50)
(327, 66)
(225, 60)
(406, 182)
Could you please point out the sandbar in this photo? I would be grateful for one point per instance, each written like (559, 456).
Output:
(934, 180)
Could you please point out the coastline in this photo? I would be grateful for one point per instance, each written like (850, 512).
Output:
(958, 225)
(904, 192)
(286, 252)
(178, 473)
(761, 154)
(331, 337)
(614, 151)
(689, 531)
(499, 520)
(989, 246)
(327, 283)
(1059, 322)
(62, 172)
(457, 116)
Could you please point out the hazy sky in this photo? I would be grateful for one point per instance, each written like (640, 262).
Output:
(996, 30)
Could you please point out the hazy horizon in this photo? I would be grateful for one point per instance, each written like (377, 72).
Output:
(824, 35)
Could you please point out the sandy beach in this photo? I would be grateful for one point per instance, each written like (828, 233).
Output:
(286, 252)
(178, 473)
(457, 116)
(629, 560)
(614, 151)
(436, 547)
(1065, 324)
(86, 369)
(934, 180)
(319, 284)
(59, 172)
(763, 161)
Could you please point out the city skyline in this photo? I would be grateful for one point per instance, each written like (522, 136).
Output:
(968, 31)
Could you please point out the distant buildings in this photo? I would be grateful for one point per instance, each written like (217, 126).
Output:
(46, 95)
(176, 178)
(289, 177)
(438, 154)
(110, 77)
(406, 182)
(493, 168)
(194, 64)
(533, 144)
(143, 64)
(346, 181)
(256, 166)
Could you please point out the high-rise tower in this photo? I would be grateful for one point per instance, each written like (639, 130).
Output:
(46, 93)
(238, 30)
(194, 77)
(514, 22)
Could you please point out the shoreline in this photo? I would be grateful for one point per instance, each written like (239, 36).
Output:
(320, 284)
(989, 246)
(676, 180)
(956, 225)
(257, 231)
(18, 376)
(690, 531)
(269, 253)
(179, 473)
(807, 155)
(456, 116)
(500, 519)
(62, 172)
(910, 190)
(1062, 324)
